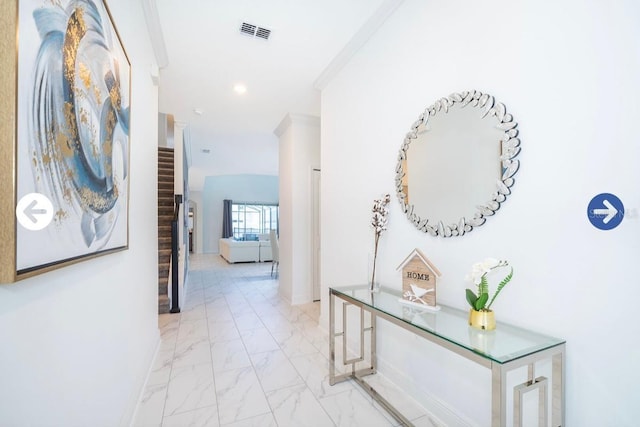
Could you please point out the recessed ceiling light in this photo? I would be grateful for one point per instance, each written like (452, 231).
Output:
(198, 111)
(240, 89)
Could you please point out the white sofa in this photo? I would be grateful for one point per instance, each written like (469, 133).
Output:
(245, 251)
(239, 251)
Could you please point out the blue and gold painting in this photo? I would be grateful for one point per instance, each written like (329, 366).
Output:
(73, 130)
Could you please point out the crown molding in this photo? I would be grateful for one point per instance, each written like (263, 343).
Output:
(155, 32)
(358, 40)
(291, 118)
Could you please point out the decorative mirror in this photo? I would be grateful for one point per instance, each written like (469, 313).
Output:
(456, 164)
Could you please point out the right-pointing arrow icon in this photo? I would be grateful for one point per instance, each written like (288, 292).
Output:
(605, 211)
(30, 212)
(610, 211)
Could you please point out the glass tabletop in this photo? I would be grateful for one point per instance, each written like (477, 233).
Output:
(502, 345)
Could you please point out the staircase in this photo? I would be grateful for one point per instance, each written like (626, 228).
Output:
(165, 214)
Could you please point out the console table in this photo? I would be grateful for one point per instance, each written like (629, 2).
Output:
(502, 350)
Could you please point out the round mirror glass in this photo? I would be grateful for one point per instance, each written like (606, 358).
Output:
(456, 164)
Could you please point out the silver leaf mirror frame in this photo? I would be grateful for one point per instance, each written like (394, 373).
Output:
(493, 115)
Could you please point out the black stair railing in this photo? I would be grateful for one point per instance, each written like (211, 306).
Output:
(175, 306)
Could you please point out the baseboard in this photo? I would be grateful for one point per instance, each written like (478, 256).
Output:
(129, 415)
(435, 406)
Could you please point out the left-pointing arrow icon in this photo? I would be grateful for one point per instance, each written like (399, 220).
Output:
(34, 211)
(610, 211)
(29, 211)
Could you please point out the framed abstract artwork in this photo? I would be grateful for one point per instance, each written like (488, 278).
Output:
(65, 136)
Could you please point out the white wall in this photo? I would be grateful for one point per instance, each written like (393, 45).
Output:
(568, 72)
(77, 342)
(258, 155)
(299, 149)
(239, 188)
(179, 175)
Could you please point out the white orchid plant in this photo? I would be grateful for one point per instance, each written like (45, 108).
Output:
(478, 301)
(379, 223)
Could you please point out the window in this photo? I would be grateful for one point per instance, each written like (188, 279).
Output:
(250, 220)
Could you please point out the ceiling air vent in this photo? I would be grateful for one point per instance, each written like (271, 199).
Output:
(263, 33)
(253, 31)
(248, 29)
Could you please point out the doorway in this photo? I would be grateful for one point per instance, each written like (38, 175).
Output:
(191, 226)
(315, 236)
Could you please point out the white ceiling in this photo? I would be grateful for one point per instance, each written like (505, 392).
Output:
(207, 55)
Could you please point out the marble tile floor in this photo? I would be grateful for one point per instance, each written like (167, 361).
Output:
(238, 355)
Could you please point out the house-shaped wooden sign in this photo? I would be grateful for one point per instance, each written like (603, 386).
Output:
(419, 281)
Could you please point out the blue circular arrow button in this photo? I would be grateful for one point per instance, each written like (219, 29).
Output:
(605, 211)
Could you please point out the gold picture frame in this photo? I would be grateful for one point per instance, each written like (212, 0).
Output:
(65, 92)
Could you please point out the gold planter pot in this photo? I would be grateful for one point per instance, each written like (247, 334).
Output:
(485, 320)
